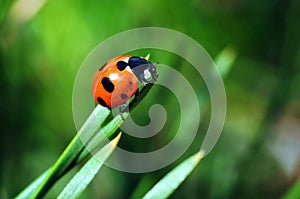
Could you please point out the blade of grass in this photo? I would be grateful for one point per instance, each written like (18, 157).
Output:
(43, 183)
(86, 174)
(168, 184)
(225, 60)
(32, 187)
(294, 191)
(101, 136)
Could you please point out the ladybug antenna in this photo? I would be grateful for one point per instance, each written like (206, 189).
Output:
(147, 56)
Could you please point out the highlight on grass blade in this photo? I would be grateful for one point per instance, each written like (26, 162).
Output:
(86, 174)
(147, 56)
(168, 184)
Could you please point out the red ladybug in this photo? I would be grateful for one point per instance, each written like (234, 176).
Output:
(118, 80)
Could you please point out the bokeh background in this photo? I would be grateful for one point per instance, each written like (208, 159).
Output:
(43, 43)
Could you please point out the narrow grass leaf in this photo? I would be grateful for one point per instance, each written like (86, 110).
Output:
(86, 174)
(32, 187)
(103, 134)
(294, 191)
(225, 60)
(168, 184)
(43, 183)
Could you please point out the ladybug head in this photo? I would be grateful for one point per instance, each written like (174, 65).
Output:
(145, 72)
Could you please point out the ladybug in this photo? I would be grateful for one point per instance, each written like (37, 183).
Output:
(118, 79)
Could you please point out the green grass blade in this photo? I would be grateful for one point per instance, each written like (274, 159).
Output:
(294, 191)
(168, 184)
(92, 124)
(225, 60)
(86, 174)
(102, 135)
(42, 184)
(30, 190)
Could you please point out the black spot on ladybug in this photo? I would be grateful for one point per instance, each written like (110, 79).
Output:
(123, 96)
(101, 101)
(102, 66)
(121, 65)
(107, 84)
(136, 61)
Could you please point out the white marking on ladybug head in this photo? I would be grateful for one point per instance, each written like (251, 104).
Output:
(128, 69)
(126, 59)
(147, 74)
(113, 76)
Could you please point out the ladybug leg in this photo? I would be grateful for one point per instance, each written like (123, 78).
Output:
(143, 80)
(122, 110)
(137, 94)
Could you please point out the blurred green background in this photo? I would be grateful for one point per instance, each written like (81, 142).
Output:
(43, 43)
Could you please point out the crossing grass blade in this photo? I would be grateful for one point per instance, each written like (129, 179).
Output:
(86, 174)
(42, 184)
(168, 184)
